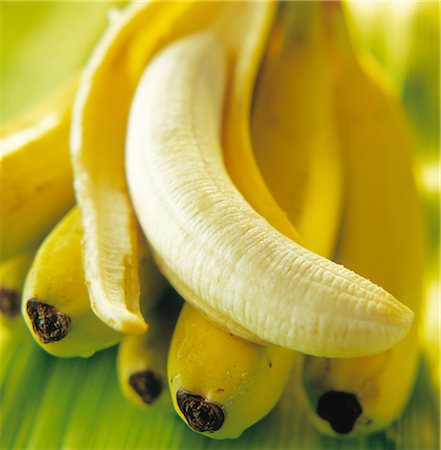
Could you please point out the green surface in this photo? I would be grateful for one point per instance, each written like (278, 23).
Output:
(42, 44)
(48, 403)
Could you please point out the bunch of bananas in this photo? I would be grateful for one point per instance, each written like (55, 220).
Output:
(245, 154)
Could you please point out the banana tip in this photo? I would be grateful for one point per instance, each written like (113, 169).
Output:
(147, 385)
(48, 322)
(201, 415)
(340, 409)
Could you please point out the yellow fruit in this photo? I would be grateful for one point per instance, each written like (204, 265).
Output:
(382, 239)
(35, 173)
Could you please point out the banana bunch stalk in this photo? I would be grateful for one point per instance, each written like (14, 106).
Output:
(246, 185)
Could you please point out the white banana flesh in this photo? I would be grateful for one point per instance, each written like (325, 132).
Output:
(205, 236)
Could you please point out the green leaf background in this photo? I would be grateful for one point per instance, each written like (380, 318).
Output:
(49, 403)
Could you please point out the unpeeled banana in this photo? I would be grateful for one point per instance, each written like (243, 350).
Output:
(382, 238)
(35, 173)
(142, 363)
(209, 242)
(221, 384)
(55, 302)
(294, 131)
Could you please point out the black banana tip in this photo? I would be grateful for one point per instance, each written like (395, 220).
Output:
(9, 302)
(340, 409)
(147, 384)
(201, 414)
(48, 323)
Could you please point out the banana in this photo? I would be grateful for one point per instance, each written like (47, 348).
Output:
(250, 384)
(382, 239)
(55, 303)
(39, 136)
(294, 132)
(141, 367)
(242, 368)
(209, 242)
(97, 147)
(142, 359)
(230, 383)
(12, 277)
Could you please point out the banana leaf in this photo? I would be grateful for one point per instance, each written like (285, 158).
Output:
(55, 403)
(50, 403)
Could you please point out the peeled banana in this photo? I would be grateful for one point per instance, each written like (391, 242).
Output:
(382, 239)
(35, 173)
(206, 239)
(56, 304)
(252, 376)
(196, 370)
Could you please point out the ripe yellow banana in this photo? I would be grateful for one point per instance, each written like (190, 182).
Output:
(12, 276)
(142, 359)
(98, 137)
(222, 384)
(55, 301)
(211, 244)
(294, 132)
(382, 239)
(35, 173)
